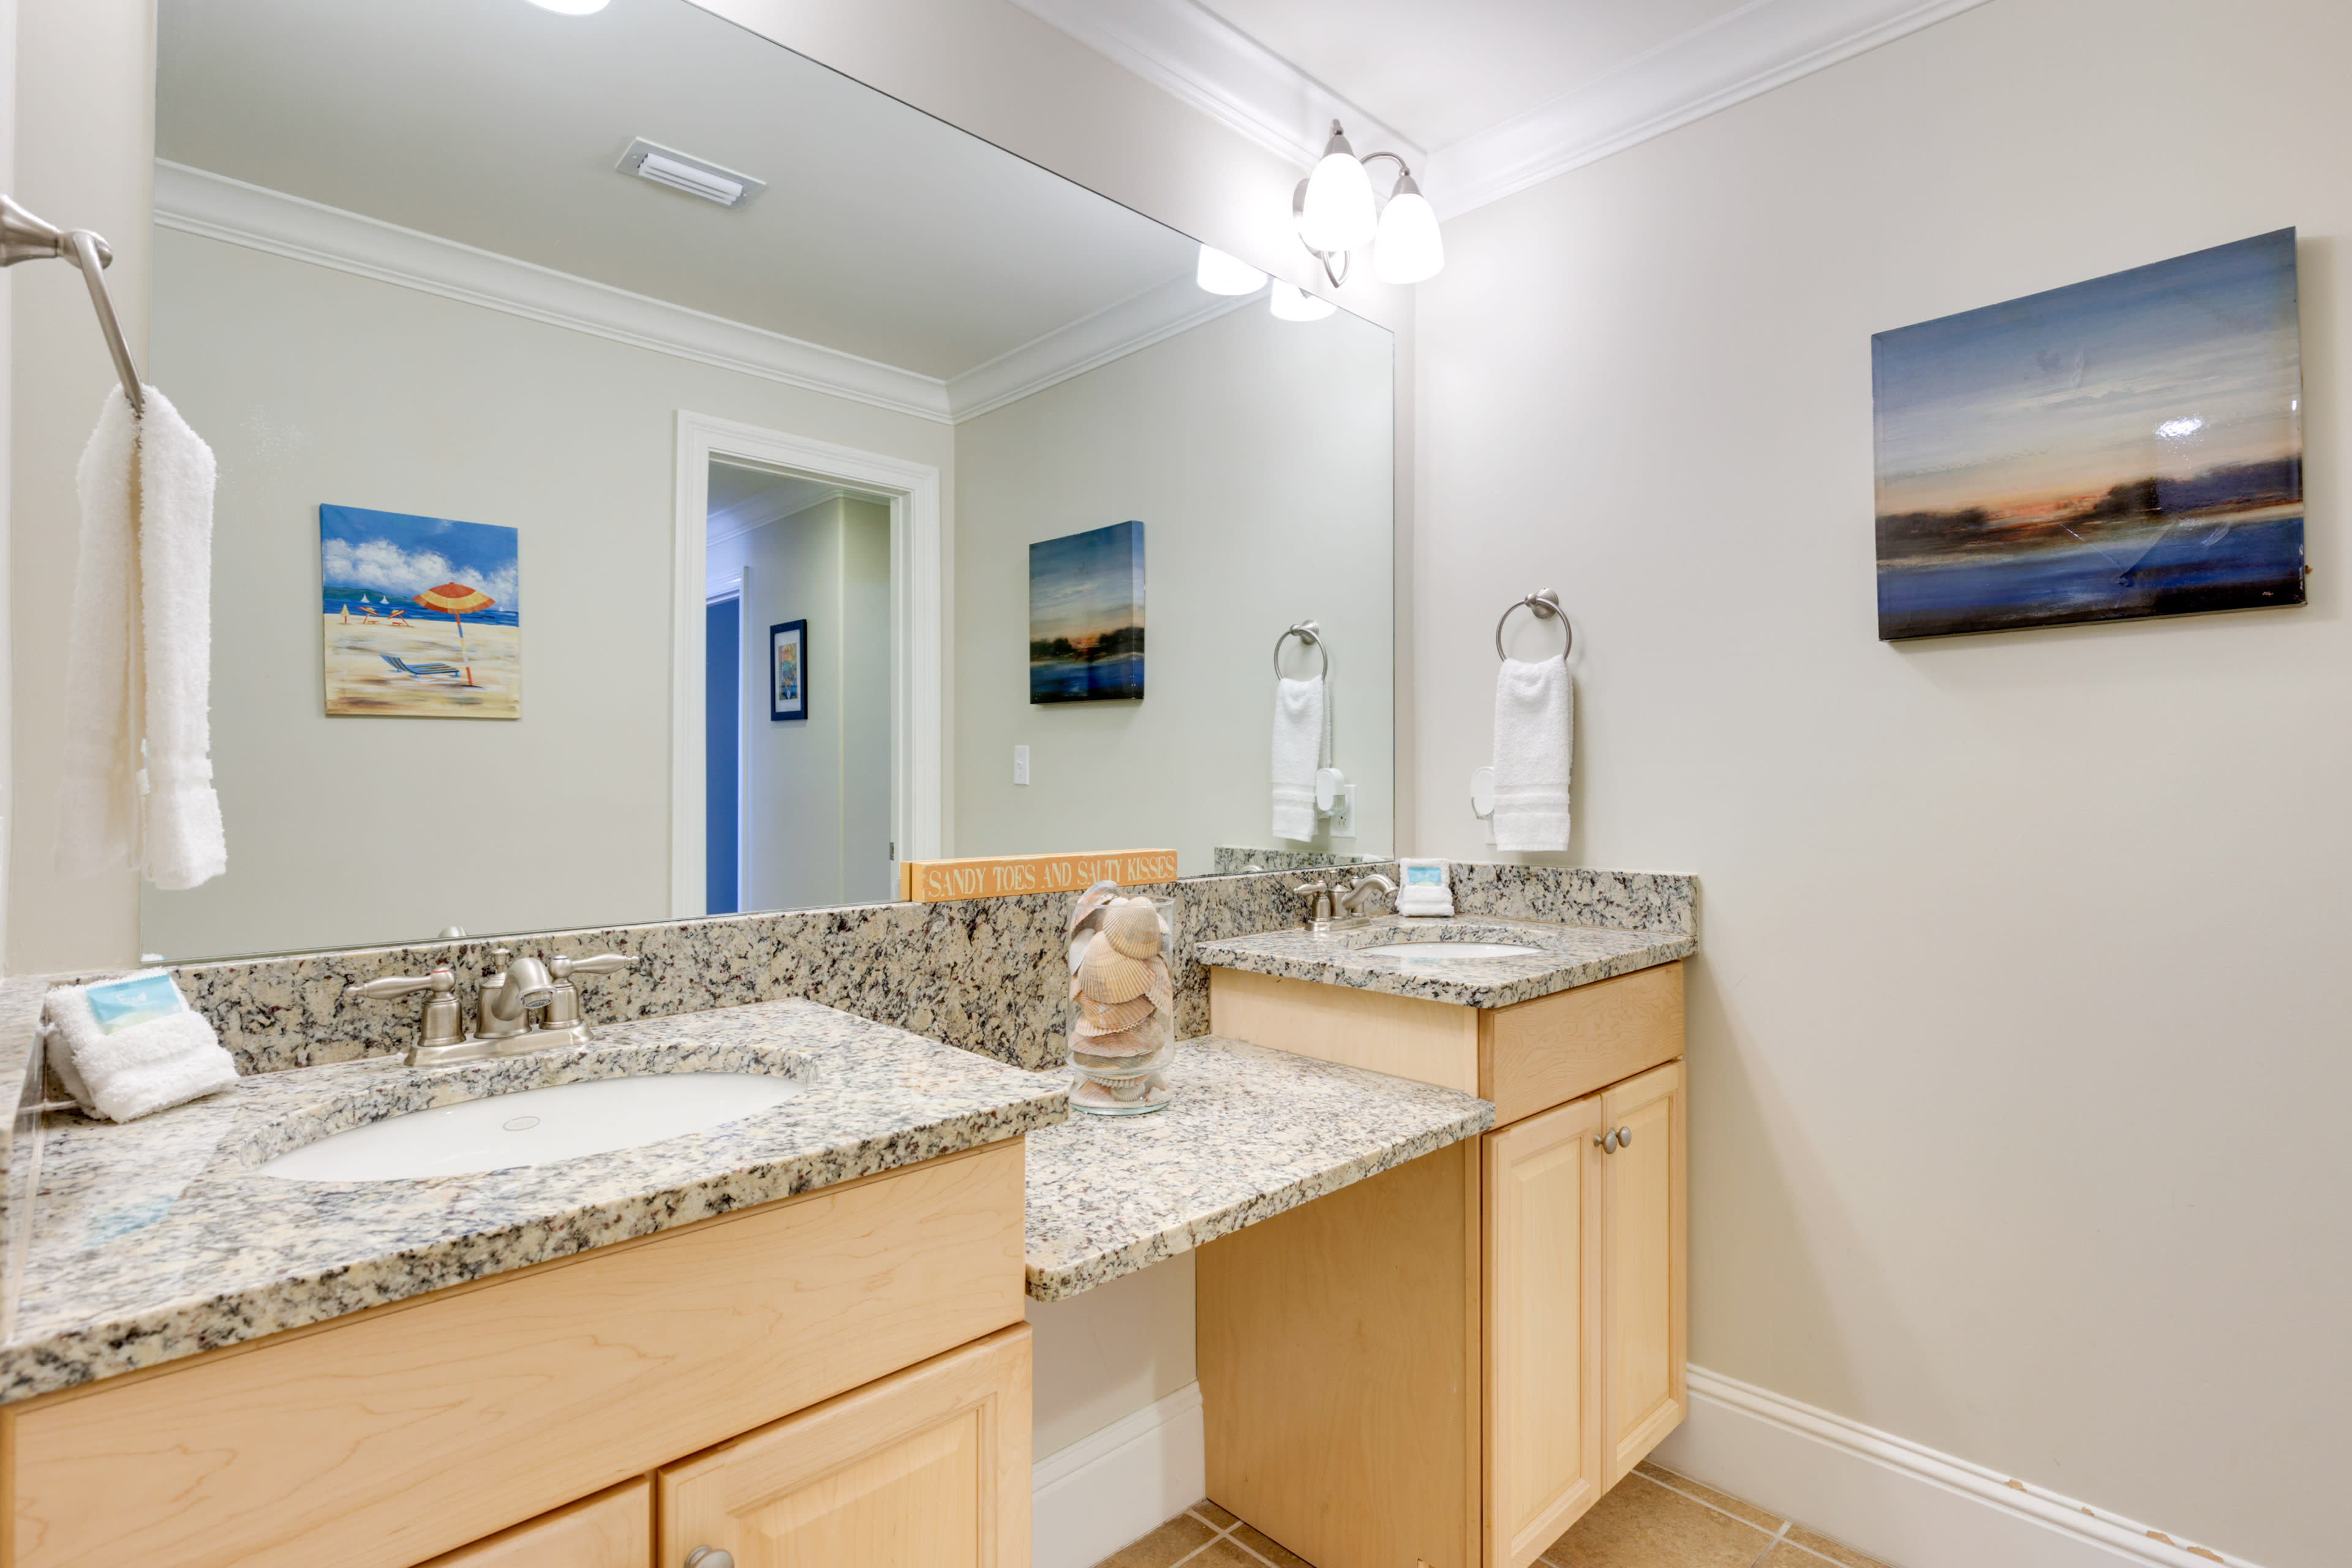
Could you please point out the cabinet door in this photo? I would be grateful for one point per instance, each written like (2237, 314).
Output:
(611, 1529)
(1646, 1268)
(926, 1468)
(1542, 1229)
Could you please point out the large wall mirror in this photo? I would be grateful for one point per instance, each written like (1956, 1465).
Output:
(661, 475)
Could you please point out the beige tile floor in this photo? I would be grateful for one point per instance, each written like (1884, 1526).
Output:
(1652, 1519)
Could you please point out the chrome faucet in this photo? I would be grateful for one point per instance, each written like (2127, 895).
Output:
(515, 990)
(1320, 909)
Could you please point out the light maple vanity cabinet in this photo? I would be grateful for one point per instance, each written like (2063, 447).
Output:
(837, 1377)
(1480, 1343)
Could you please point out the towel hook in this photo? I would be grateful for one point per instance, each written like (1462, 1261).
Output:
(1545, 605)
(23, 238)
(1311, 634)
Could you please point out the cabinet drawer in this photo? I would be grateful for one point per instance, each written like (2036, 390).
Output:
(381, 1440)
(612, 1530)
(1535, 1054)
(928, 1469)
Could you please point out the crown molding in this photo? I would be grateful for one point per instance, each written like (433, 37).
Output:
(1225, 73)
(1752, 51)
(1209, 63)
(195, 201)
(1161, 312)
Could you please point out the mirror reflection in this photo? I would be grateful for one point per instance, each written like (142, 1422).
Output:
(661, 475)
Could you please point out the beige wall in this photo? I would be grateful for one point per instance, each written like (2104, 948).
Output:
(816, 792)
(316, 385)
(1256, 454)
(2018, 1029)
(85, 140)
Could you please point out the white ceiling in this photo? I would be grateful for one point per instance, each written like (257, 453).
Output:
(1439, 73)
(883, 233)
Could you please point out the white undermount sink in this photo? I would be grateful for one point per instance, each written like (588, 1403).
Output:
(533, 1127)
(1439, 952)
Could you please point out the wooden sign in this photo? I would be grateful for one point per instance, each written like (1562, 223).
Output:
(994, 875)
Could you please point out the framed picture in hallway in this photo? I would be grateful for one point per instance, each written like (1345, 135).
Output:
(2127, 447)
(788, 670)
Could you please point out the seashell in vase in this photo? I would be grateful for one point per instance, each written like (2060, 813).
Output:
(1139, 1041)
(1087, 914)
(1133, 927)
(1112, 1017)
(1107, 974)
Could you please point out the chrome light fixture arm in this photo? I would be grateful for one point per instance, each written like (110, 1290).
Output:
(1335, 263)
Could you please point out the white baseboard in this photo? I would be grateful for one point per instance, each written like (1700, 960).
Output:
(1895, 1499)
(1099, 1493)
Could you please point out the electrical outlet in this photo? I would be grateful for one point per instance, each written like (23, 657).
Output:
(1343, 813)
(1021, 764)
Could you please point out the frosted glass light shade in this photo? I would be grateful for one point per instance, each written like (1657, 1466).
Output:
(1291, 303)
(1222, 274)
(1337, 214)
(573, 7)
(1408, 247)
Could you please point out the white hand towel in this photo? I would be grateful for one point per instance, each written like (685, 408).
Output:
(1535, 706)
(1302, 739)
(141, 1067)
(139, 654)
(182, 845)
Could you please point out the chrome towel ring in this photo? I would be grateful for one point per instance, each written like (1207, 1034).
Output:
(1545, 605)
(1311, 634)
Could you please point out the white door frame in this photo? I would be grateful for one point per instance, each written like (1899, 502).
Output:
(916, 748)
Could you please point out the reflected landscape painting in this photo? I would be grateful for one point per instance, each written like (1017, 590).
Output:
(1086, 616)
(423, 617)
(2127, 447)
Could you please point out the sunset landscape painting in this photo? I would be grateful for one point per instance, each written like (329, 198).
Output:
(1086, 616)
(2123, 447)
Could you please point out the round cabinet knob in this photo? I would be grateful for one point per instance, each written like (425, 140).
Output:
(1624, 1138)
(710, 1557)
(1608, 1141)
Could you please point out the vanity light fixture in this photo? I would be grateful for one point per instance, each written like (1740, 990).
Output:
(1336, 214)
(1222, 274)
(1291, 303)
(573, 7)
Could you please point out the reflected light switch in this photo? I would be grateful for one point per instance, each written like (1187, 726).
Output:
(1021, 764)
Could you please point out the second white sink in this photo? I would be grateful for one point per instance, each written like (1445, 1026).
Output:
(533, 1127)
(1439, 952)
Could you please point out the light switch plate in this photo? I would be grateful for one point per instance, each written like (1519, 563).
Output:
(1021, 764)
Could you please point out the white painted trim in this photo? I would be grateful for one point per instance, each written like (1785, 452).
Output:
(1182, 48)
(195, 201)
(1891, 1498)
(1749, 51)
(1119, 1484)
(1199, 57)
(916, 598)
(1159, 312)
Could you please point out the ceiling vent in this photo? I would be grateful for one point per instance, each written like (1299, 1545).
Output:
(694, 176)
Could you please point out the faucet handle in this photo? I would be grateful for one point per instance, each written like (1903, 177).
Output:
(601, 964)
(386, 986)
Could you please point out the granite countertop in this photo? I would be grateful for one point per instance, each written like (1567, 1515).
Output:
(1251, 1132)
(155, 1239)
(1571, 955)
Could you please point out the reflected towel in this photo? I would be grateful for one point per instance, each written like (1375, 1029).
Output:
(139, 654)
(1534, 706)
(1302, 742)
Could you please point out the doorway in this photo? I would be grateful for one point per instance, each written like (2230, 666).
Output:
(824, 562)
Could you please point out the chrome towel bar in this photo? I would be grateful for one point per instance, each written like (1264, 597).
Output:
(25, 237)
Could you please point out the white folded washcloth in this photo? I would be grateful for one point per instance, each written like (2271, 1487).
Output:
(139, 654)
(133, 1046)
(1302, 743)
(1534, 706)
(1422, 887)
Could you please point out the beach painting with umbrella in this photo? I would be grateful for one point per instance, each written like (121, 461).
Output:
(424, 617)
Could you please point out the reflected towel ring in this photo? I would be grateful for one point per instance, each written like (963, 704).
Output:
(1546, 605)
(1311, 634)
